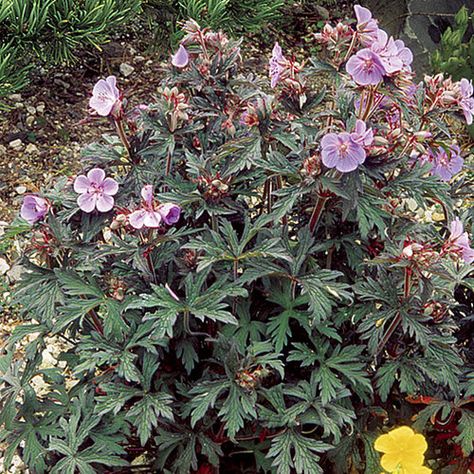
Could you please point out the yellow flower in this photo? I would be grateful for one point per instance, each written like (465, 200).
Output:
(403, 451)
(414, 470)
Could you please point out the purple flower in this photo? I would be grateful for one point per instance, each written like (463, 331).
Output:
(105, 98)
(341, 152)
(365, 67)
(170, 213)
(95, 191)
(404, 54)
(366, 25)
(276, 67)
(361, 135)
(447, 164)
(466, 101)
(388, 52)
(34, 208)
(148, 216)
(460, 240)
(180, 58)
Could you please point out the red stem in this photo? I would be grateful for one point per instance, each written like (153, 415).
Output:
(317, 211)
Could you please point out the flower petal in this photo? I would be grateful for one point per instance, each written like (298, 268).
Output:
(147, 194)
(390, 461)
(384, 444)
(81, 184)
(180, 58)
(102, 105)
(112, 83)
(96, 176)
(110, 186)
(104, 202)
(87, 202)
(152, 219)
(137, 218)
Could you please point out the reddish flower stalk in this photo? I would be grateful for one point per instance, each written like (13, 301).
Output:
(317, 211)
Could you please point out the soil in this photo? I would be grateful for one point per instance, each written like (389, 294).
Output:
(45, 127)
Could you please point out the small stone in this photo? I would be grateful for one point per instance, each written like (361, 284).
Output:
(31, 110)
(3, 225)
(20, 189)
(3, 150)
(16, 144)
(139, 59)
(31, 148)
(30, 120)
(4, 267)
(14, 274)
(126, 69)
(61, 83)
(323, 12)
(40, 108)
(15, 97)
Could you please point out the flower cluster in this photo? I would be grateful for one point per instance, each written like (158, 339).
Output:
(403, 451)
(152, 216)
(381, 56)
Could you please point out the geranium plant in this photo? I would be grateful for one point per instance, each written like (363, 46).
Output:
(246, 278)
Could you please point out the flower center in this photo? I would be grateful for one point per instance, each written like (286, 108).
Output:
(369, 64)
(96, 188)
(343, 149)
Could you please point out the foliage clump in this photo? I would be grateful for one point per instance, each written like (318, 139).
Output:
(246, 281)
(52, 31)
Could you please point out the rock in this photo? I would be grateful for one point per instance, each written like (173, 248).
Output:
(30, 120)
(14, 274)
(61, 83)
(20, 189)
(323, 12)
(3, 150)
(3, 224)
(16, 144)
(126, 69)
(4, 267)
(31, 110)
(139, 59)
(31, 148)
(15, 97)
(40, 108)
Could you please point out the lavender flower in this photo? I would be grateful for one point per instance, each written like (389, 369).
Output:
(447, 164)
(148, 216)
(460, 240)
(34, 208)
(365, 67)
(387, 51)
(95, 191)
(366, 25)
(181, 58)
(170, 213)
(341, 152)
(466, 101)
(105, 98)
(276, 67)
(361, 135)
